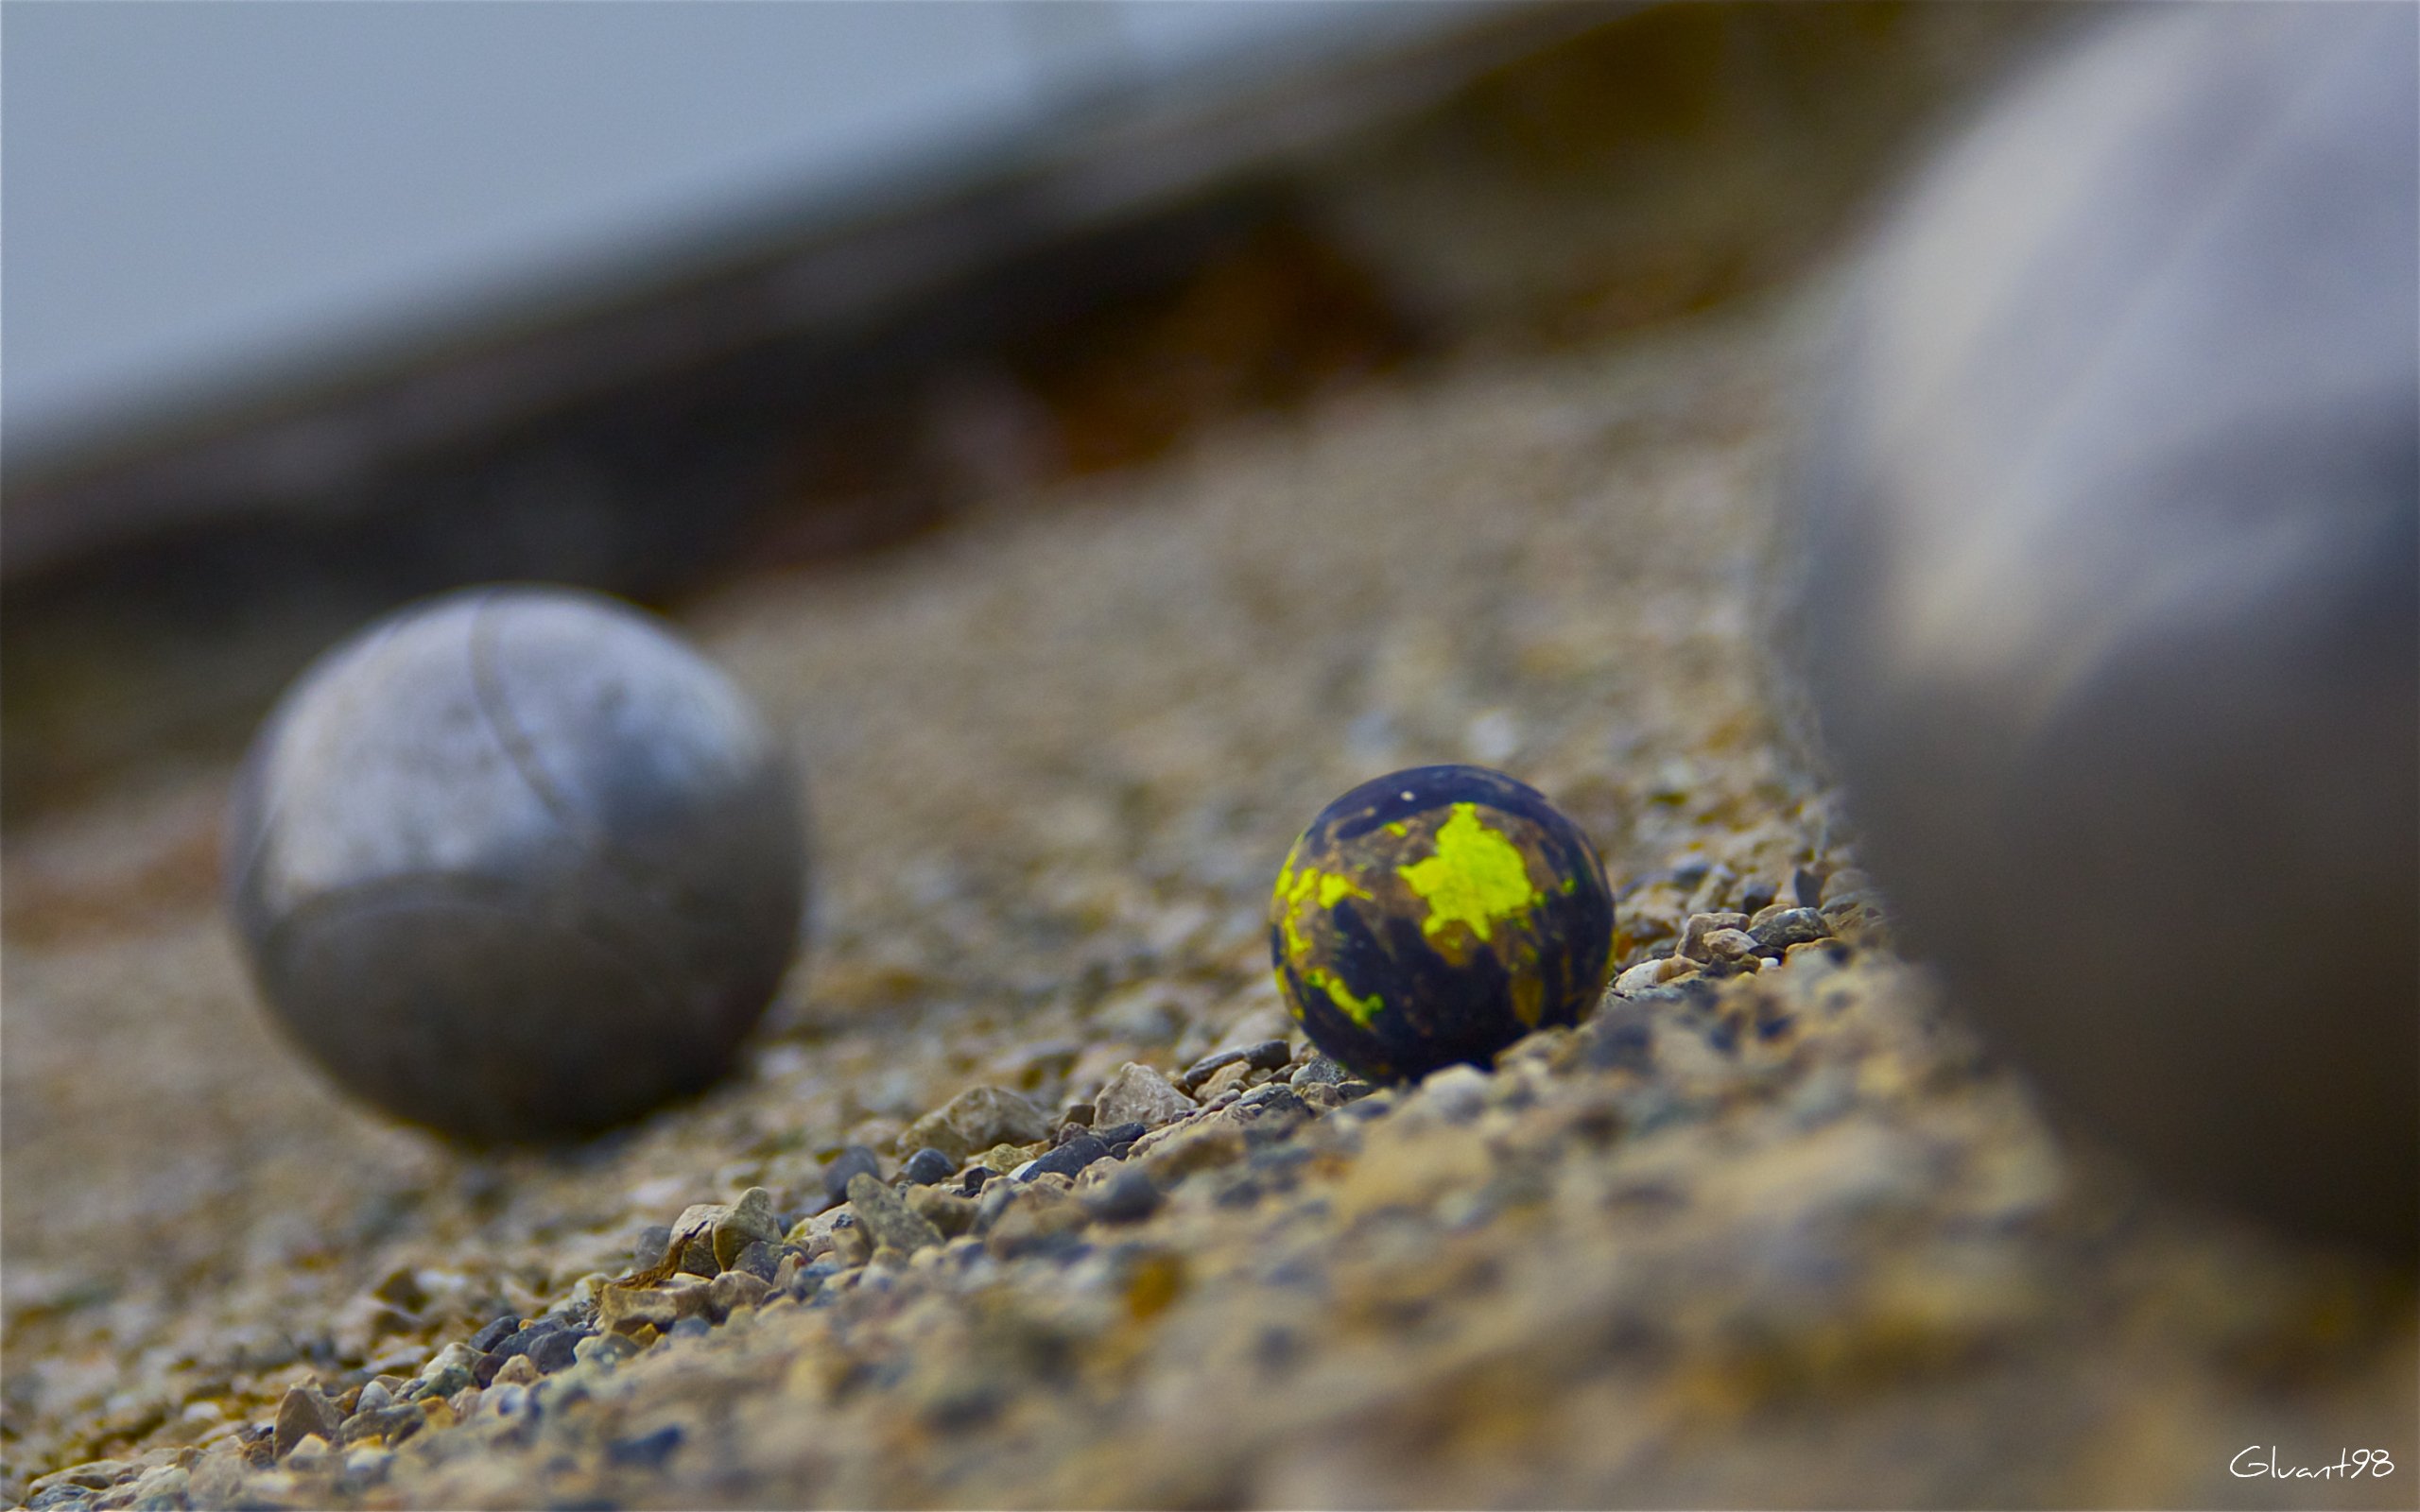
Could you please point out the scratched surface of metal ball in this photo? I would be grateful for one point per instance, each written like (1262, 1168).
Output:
(2114, 595)
(516, 865)
(1435, 916)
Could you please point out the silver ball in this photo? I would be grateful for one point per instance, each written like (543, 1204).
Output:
(516, 865)
(2113, 595)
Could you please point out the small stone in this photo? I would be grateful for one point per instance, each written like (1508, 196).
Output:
(1317, 1072)
(217, 1479)
(1756, 894)
(1068, 1158)
(1118, 1135)
(1199, 1144)
(1459, 1094)
(928, 1167)
(1694, 933)
(653, 1240)
(852, 1243)
(1729, 946)
(694, 1232)
(517, 1371)
(691, 1327)
(978, 1119)
(1790, 926)
(501, 1328)
(392, 1424)
(1138, 1094)
(92, 1475)
(302, 1412)
(605, 1349)
(649, 1450)
(1129, 1195)
(1226, 1080)
(950, 1214)
(368, 1464)
(886, 1218)
(310, 1452)
(375, 1398)
(750, 1221)
(449, 1373)
(735, 1289)
(757, 1260)
(1620, 1039)
(161, 1486)
(1268, 1055)
(1080, 1114)
(1712, 889)
(849, 1163)
(555, 1349)
(1647, 974)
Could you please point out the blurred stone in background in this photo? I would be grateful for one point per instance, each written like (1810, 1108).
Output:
(2115, 595)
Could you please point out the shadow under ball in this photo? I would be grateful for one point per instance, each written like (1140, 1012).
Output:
(2111, 595)
(517, 864)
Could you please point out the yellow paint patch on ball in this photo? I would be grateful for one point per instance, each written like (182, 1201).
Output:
(1476, 879)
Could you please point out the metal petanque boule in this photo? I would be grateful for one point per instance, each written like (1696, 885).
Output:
(516, 865)
(2114, 593)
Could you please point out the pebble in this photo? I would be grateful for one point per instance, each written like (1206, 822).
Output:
(694, 1232)
(949, 1212)
(1650, 973)
(929, 1166)
(1129, 1195)
(736, 1289)
(162, 1488)
(311, 1452)
(1226, 1081)
(518, 1371)
(368, 1463)
(856, 1158)
(650, 1450)
(653, 1241)
(1138, 1094)
(449, 1373)
(1315, 1072)
(757, 1260)
(526, 1337)
(302, 1412)
(978, 1119)
(748, 1220)
(555, 1350)
(1268, 1055)
(886, 1219)
(1457, 1093)
(1068, 1158)
(501, 1328)
(604, 1348)
(1780, 930)
(373, 1398)
(1729, 947)
(1693, 933)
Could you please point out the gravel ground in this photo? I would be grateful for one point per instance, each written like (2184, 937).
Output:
(1768, 1230)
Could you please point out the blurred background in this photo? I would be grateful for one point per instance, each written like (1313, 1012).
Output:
(311, 310)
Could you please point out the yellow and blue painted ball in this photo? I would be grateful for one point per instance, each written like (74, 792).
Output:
(1436, 916)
